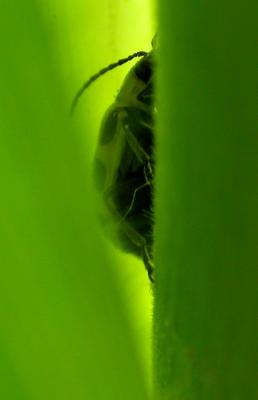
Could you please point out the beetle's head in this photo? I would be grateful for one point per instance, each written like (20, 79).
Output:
(103, 71)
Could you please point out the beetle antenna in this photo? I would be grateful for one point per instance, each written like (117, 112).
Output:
(102, 72)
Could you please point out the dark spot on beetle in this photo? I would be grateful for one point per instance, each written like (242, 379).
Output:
(143, 69)
(99, 174)
(108, 128)
(146, 95)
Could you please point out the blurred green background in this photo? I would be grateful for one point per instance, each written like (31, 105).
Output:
(75, 313)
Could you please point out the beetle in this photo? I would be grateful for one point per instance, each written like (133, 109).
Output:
(124, 163)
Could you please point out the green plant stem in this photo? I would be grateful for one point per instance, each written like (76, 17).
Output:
(205, 323)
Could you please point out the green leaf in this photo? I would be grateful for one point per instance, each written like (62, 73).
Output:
(207, 200)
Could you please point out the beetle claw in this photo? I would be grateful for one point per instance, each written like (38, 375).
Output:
(148, 263)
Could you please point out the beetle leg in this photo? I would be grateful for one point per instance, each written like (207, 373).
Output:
(135, 237)
(138, 150)
(148, 174)
(133, 199)
(148, 263)
(136, 147)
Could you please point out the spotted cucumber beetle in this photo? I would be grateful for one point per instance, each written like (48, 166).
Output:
(124, 160)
